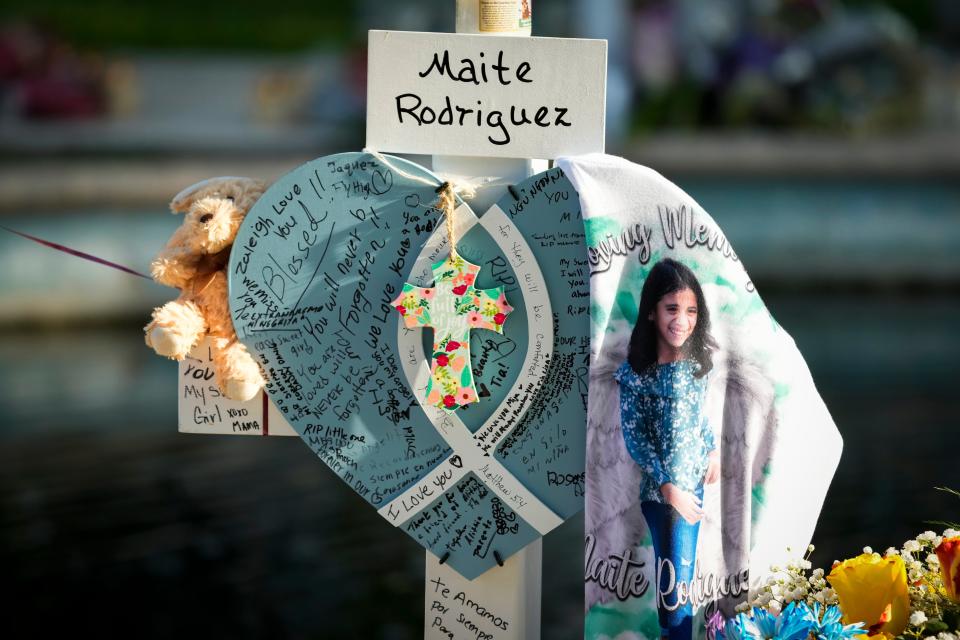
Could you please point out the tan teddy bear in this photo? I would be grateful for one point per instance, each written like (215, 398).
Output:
(195, 261)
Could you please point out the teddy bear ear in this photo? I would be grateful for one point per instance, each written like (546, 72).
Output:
(182, 202)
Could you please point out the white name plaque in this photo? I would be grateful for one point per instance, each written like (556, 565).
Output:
(477, 95)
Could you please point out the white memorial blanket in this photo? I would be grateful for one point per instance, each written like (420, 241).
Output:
(709, 450)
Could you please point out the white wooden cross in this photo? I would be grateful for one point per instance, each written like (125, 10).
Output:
(478, 116)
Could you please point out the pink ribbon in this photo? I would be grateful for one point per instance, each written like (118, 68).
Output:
(74, 252)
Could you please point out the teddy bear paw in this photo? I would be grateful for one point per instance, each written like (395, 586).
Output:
(167, 343)
(241, 390)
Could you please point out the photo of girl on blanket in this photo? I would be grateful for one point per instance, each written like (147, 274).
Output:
(663, 386)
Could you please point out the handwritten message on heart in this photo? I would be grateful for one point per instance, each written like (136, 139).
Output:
(313, 272)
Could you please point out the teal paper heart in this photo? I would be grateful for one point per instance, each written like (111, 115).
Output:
(314, 269)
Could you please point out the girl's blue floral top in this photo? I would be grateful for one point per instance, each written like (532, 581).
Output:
(664, 427)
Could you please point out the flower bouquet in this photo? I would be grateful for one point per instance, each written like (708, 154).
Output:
(907, 593)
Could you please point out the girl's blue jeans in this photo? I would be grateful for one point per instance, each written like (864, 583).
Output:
(674, 540)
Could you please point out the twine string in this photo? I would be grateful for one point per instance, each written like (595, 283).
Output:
(446, 202)
(448, 190)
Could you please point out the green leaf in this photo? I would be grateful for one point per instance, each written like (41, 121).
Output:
(952, 618)
(935, 625)
(466, 376)
(948, 490)
(943, 523)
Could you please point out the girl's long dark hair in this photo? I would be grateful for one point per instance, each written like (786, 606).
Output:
(668, 276)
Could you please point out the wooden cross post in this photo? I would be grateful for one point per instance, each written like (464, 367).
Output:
(512, 591)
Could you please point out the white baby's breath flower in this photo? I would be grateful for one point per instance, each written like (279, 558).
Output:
(891, 552)
(933, 560)
(868, 549)
(927, 536)
(917, 618)
(911, 546)
(950, 533)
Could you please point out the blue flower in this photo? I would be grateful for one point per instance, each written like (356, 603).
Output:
(829, 627)
(795, 622)
(765, 622)
(739, 627)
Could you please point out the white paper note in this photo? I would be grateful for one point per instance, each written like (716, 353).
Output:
(202, 408)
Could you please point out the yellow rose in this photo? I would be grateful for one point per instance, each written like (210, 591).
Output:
(873, 590)
(948, 552)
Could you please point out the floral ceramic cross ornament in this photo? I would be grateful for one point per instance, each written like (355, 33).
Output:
(453, 306)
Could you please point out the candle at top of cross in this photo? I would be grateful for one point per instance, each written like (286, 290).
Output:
(500, 17)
